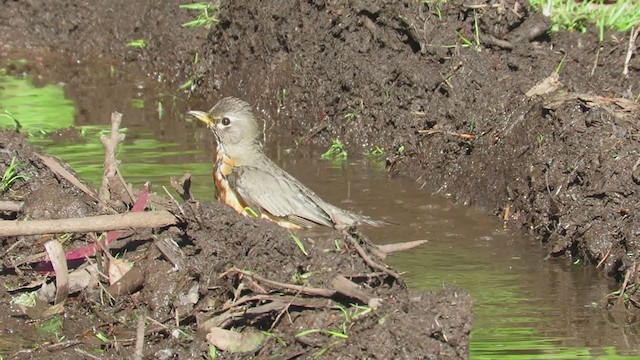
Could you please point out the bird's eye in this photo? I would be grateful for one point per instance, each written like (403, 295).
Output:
(226, 121)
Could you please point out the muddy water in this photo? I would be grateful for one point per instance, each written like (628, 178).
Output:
(526, 307)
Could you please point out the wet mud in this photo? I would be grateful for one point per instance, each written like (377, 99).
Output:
(561, 164)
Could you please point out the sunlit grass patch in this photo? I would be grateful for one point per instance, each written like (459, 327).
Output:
(11, 175)
(33, 109)
(335, 152)
(572, 15)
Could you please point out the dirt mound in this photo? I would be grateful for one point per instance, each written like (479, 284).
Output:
(215, 270)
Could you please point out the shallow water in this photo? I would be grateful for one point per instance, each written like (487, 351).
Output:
(526, 307)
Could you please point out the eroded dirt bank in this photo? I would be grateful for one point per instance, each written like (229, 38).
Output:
(563, 165)
(377, 73)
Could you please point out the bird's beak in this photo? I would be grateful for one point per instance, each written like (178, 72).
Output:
(202, 116)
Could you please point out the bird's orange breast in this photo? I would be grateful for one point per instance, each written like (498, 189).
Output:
(226, 194)
(223, 167)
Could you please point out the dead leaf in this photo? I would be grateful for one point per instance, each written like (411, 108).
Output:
(78, 280)
(117, 269)
(59, 262)
(232, 341)
(54, 310)
(550, 84)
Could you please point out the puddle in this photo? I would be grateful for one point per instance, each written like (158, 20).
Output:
(525, 307)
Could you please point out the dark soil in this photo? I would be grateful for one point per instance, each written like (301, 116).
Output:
(563, 165)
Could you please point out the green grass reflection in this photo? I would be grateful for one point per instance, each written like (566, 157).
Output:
(506, 318)
(37, 109)
(42, 110)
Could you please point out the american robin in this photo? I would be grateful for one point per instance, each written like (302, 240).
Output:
(248, 181)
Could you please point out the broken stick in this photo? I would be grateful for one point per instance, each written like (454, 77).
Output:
(132, 220)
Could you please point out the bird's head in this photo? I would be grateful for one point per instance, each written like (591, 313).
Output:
(235, 128)
(232, 122)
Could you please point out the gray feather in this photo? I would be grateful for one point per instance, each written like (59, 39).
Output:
(271, 193)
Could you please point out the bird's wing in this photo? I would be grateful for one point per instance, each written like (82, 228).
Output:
(280, 195)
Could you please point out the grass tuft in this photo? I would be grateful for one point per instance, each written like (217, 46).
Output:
(575, 16)
(207, 15)
(335, 152)
(139, 43)
(299, 244)
(11, 175)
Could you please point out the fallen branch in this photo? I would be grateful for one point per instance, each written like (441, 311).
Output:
(235, 311)
(275, 284)
(292, 300)
(90, 250)
(489, 39)
(350, 289)
(128, 284)
(149, 219)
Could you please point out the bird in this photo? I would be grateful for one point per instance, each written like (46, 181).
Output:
(252, 184)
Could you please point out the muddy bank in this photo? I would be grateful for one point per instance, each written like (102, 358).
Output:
(379, 74)
(224, 271)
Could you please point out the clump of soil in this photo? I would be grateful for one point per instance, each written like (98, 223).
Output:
(215, 270)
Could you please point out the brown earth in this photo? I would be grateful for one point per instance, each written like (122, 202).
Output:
(564, 165)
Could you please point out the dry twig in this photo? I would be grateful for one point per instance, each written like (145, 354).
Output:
(138, 354)
(302, 289)
(367, 259)
(397, 247)
(460, 135)
(633, 35)
(149, 219)
(183, 188)
(109, 176)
